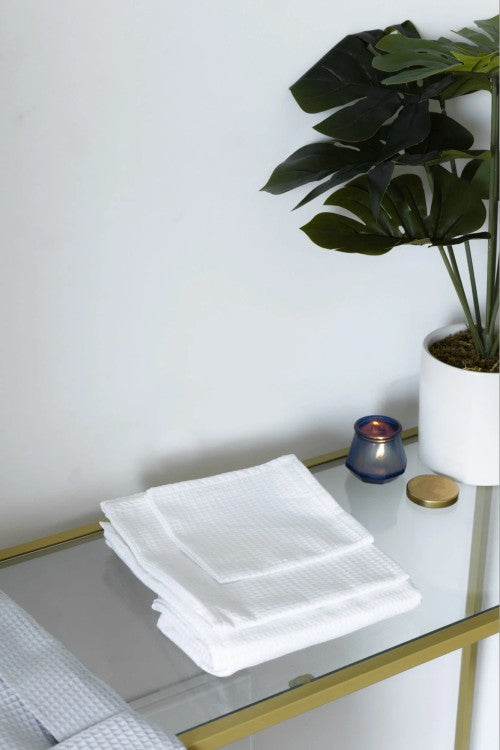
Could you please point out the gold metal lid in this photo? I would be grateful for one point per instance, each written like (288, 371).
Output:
(432, 491)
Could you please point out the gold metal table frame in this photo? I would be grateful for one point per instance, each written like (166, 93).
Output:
(464, 634)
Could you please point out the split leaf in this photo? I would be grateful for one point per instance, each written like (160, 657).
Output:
(456, 213)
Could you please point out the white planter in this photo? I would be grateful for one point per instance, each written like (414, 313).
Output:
(458, 418)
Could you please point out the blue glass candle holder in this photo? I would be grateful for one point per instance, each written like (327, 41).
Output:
(376, 454)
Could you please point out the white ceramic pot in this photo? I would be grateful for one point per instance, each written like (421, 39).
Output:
(458, 421)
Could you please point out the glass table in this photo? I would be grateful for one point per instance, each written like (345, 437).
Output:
(83, 594)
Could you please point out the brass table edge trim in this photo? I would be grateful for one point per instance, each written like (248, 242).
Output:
(81, 532)
(52, 540)
(270, 711)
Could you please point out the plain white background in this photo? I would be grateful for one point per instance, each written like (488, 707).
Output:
(162, 318)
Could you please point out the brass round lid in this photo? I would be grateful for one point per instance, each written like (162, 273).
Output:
(432, 491)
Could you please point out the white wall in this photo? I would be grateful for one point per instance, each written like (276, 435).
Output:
(161, 317)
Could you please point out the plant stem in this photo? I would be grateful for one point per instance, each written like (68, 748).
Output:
(491, 327)
(494, 347)
(470, 266)
(492, 278)
(457, 283)
(468, 253)
(474, 329)
(454, 265)
(472, 276)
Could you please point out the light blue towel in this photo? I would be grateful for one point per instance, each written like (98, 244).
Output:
(48, 698)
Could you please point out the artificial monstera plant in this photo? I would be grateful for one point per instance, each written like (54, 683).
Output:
(403, 169)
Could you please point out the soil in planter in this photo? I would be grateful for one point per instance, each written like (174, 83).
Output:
(458, 351)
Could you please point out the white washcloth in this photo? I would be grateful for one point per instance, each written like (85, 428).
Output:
(48, 698)
(221, 648)
(255, 521)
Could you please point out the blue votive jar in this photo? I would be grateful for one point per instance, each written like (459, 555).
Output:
(376, 454)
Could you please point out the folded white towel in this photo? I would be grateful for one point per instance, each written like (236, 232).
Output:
(226, 610)
(195, 596)
(252, 522)
(220, 648)
(224, 654)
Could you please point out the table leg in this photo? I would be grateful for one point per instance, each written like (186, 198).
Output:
(479, 540)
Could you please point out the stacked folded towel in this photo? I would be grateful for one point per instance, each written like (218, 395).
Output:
(253, 564)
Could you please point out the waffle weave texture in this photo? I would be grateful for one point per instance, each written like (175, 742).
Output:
(48, 698)
(227, 595)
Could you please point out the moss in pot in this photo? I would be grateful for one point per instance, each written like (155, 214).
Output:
(458, 350)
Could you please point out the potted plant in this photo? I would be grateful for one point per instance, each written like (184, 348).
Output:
(381, 84)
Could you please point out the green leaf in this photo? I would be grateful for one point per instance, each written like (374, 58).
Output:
(484, 64)
(363, 119)
(378, 181)
(335, 232)
(403, 52)
(481, 41)
(408, 198)
(444, 133)
(346, 76)
(464, 84)
(490, 27)
(343, 175)
(309, 163)
(434, 88)
(436, 157)
(407, 28)
(343, 75)
(416, 59)
(456, 213)
(456, 207)
(411, 126)
(487, 41)
(341, 162)
(453, 153)
(477, 172)
(470, 236)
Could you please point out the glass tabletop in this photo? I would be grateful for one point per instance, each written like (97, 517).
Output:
(86, 597)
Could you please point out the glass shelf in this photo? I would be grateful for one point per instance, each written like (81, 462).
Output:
(84, 595)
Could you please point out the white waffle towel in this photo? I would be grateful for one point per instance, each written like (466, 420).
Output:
(49, 699)
(255, 521)
(228, 612)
